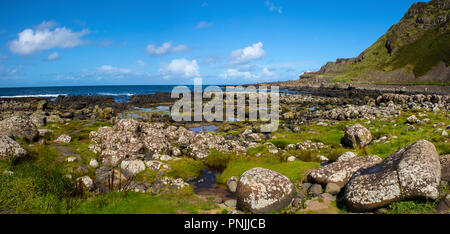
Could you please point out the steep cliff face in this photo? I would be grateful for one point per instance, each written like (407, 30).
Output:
(417, 49)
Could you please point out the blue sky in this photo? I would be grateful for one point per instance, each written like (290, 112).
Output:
(54, 43)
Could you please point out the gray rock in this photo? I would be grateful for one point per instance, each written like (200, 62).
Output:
(230, 203)
(445, 167)
(444, 205)
(232, 183)
(291, 159)
(332, 188)
(327, 196)
(306, 186)
(93, 163)
(54, 119)
(63, 138)
(340, 172)
(131, 167)
(104, 176)
(411, 172)
(345, 156)
(19, 127)
(412, 119)
(10, 148)
(261, 191)
(356, 135)
(315, 189)
(87, 182)
(38, 118)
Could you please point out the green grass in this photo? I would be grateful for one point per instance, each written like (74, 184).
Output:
(34, 188)
(185, 168)
(217, 160)
(139, 203)
(331, 135)
(293, 170)
(412, 207)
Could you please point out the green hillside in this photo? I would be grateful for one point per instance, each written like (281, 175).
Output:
(415, 50)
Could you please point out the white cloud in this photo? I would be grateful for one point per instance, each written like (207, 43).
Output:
(272, 7)
(180, 67)
(46, 25)
(203, 24)
(44, 38)
(267, 73)
(234, 73)
(53, 56)
(165, 48)
(108, 69)
(247, 54)
(140, 62)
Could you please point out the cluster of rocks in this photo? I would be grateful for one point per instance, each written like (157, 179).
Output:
(361, 183)
(45, 110)
(137, 145)
(307, 145)
(383, 106)
(132, 139)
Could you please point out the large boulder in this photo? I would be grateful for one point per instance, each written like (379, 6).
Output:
(19, 127)
(341, 171)
(131, 167)
(106, 178)
(445, 167)
(10, 148)
(411, 172)
(356, 135)
(38, 118)
(261, 191)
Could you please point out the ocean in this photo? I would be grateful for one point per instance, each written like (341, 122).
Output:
(119, 93)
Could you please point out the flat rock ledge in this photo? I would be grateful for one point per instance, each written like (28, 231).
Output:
(341, 171)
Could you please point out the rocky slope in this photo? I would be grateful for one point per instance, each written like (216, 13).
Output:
(415, 50)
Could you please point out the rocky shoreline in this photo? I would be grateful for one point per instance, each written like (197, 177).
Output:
(337, 150)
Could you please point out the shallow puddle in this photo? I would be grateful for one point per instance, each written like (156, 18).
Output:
(209, 128)
(208, 186)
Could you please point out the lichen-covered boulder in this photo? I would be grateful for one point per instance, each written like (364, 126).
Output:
(445, 168)
(10, 148)
(345, 156)
(261, 191)
(132, 167)
(356, 135)
(38, 118)
(341, 171)
(87, 182)
(20, 127)
(54, 119)
(63, 138)
(411, 172)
